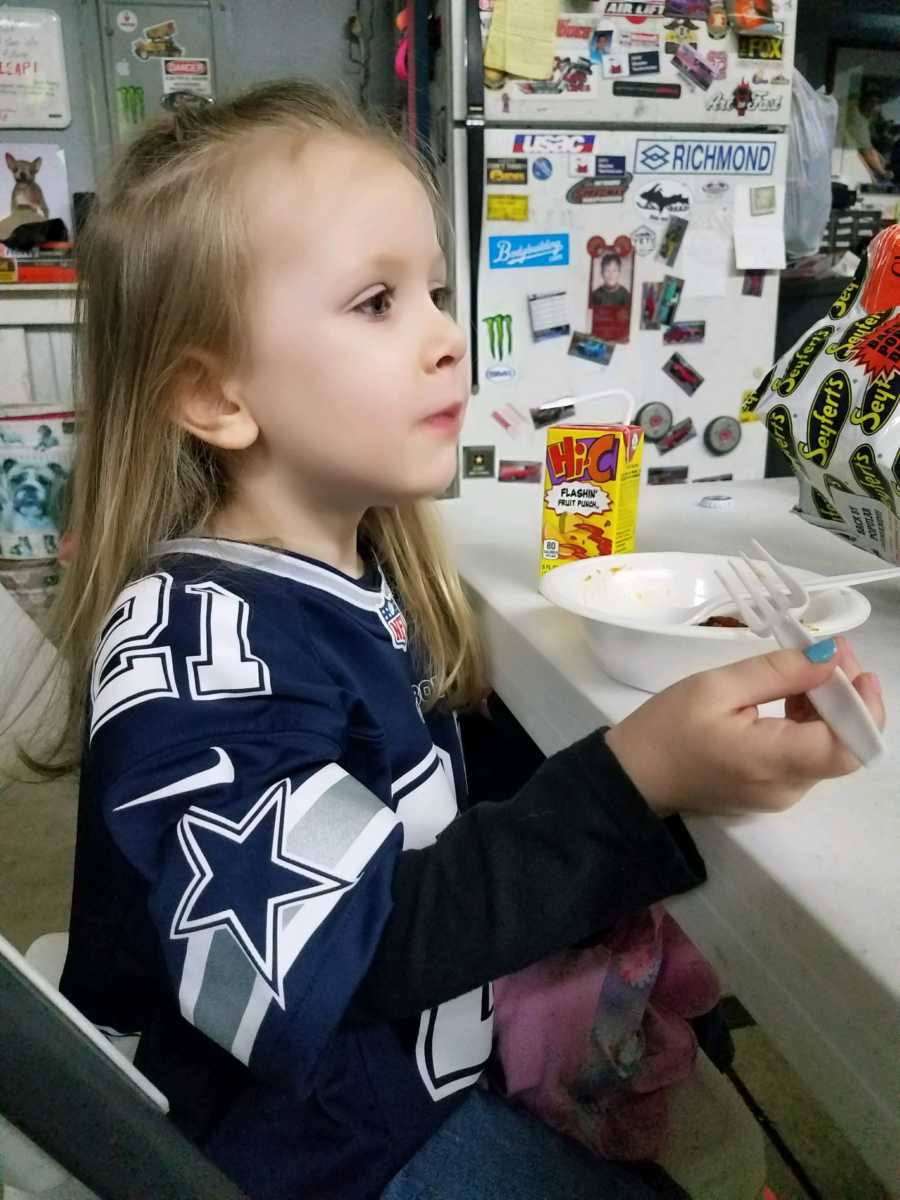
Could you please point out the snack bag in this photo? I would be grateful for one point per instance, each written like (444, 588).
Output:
(832, 404)
(592, 476)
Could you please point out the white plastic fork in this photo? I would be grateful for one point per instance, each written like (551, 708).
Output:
(768, 614)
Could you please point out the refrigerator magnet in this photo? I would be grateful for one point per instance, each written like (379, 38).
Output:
(682, 373)
(614, 66)
(601, 43)
(542, 417)
(643, 62)
(680, 32)
(671, 240)
(657, 475)
(590, 349)
(717, 20)
(478, 462)
(635, 8)
(542, 168)
(549, 315)
(765, 47)
(683, 332)
(687, 8)
(630, 38)
(644, 89)
(677, 436)
(644, 240)
(753, 283)
(762, 201)
(499, 329)
(663, 198)
(506, 171)
(610, 291)
(722, 435)
(650, 296)
(655, 419)
(501, 207)
(608, 190)
(718, 63)
(520, 471)
(668, 301)
(692, 67)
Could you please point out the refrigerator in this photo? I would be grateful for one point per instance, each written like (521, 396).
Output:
(616, 227)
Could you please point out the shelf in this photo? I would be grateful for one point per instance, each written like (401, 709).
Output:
(10, 288)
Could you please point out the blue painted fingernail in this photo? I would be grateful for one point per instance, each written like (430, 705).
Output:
(820, 652)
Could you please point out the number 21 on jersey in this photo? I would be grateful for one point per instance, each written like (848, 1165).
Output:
(134, 664)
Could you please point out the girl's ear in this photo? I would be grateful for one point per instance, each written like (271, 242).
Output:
(212, 407)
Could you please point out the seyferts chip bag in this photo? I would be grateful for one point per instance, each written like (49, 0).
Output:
(832, 404)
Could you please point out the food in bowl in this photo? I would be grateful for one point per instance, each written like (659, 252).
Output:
(617, 597)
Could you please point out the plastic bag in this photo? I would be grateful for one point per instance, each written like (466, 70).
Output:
(807, 201)
(832, 403)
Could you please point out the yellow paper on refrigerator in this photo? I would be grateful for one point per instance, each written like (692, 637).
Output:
(592, 476)
(521, 37)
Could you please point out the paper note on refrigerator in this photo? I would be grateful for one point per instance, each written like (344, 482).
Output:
(759, 227)
(521, 37)
(705, 262)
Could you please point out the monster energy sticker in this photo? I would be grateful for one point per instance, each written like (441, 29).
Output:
(827, 417)
(500, 344)
(866, 473)
(795, 371)
(856, 333)
(878, 404)
(131, 106)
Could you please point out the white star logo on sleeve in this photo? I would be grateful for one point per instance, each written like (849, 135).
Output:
(242, 878)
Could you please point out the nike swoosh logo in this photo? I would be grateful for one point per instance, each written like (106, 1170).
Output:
(222, 772)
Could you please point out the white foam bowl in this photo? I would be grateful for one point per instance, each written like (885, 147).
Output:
(616, 596)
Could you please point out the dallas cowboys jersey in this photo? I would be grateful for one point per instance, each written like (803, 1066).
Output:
(272, 881)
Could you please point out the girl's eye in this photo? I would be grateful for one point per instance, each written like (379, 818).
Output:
(441, 297)
(378, 305)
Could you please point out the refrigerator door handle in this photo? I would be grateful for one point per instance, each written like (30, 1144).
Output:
(474, 61)
(475, 195)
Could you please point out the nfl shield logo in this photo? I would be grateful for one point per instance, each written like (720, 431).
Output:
(394, 621)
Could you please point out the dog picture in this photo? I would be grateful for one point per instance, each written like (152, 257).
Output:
(26, 193)
(30, 495)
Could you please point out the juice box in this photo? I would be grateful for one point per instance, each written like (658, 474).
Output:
(592, 475)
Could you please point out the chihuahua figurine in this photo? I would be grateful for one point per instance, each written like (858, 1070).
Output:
(26, 193)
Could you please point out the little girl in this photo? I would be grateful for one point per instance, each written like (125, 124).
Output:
(278, 880)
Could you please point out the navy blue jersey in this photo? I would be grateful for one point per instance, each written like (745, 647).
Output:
(258, 759)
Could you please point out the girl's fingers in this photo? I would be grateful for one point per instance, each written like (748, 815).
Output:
(804, 746)
(869, 687)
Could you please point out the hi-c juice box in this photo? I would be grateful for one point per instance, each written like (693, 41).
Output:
(592, 475)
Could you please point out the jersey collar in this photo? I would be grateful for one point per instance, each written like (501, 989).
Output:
(369, 593)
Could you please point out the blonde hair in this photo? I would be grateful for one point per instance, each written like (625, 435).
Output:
(163, 267)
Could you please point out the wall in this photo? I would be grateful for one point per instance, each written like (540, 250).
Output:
(820, 22)
(256, 40)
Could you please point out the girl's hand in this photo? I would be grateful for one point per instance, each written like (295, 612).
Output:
(701, 746)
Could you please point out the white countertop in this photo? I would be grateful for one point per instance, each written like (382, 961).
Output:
(801, 914)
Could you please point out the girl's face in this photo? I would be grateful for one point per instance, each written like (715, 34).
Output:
(355, 373)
